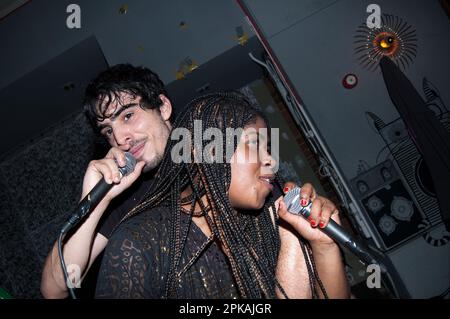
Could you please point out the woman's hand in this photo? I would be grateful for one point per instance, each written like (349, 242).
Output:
(326, 253)
(322, 210)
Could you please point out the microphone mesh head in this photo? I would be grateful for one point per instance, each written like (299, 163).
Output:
(129, 166)
(292, 201)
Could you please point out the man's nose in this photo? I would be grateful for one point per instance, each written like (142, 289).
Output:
(122, 136)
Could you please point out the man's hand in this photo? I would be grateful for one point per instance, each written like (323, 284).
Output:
(108, 169)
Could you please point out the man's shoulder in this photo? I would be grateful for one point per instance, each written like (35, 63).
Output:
(123, 204)
(133, 195)
(150, 221)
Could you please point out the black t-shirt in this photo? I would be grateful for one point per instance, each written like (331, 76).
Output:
(123, 203)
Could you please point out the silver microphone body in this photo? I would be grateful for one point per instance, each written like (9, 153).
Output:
(332, 229)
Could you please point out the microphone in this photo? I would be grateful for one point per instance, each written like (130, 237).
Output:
(333, 229)
(91, 200)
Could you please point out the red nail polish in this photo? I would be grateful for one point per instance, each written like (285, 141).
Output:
(303, 202)
(321, 224)
(313, 223)
(286, 189)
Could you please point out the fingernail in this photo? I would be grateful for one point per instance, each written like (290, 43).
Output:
(303, 202)
(321, 224)
(309, 218)
(286, 189)
(313, 223)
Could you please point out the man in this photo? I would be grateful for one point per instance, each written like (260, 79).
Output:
(130, 108)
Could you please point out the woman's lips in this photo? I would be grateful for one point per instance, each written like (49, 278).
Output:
(267, 182)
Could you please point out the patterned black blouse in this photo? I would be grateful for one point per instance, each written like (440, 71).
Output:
(136, 261)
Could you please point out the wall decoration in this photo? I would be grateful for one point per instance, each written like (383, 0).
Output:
(395, 39)
(183, 25)
(436, 238)
(387, 204)
(186, 66)
(140, 48)
(409, 205)
(123, 9)
(350, 81)
(434, 101)
(241, 35)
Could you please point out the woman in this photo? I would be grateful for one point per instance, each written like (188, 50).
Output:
(211, 228)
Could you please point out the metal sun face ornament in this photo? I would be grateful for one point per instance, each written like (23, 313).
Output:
(395, 39)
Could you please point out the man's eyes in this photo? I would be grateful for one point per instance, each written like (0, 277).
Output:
(107, 132)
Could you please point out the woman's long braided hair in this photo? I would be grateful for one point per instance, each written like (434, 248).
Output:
(250, 240)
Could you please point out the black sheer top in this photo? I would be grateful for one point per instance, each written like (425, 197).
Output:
(136, 261)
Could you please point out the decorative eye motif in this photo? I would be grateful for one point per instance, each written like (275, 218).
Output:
(349, 81)
(394, 39)
(387, 42)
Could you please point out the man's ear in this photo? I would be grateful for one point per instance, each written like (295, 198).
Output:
(165, 108)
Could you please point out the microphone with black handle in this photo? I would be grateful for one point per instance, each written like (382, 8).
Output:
(87, 204)
(332, 229)
(91, 200)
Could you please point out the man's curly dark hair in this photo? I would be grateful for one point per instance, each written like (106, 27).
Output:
(121, 78)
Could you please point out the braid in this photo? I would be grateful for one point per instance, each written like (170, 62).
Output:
(174, 242)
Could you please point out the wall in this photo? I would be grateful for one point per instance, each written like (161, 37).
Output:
(148, 34)
(314, 42)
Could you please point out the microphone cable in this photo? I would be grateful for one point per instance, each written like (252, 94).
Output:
(63, 267)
